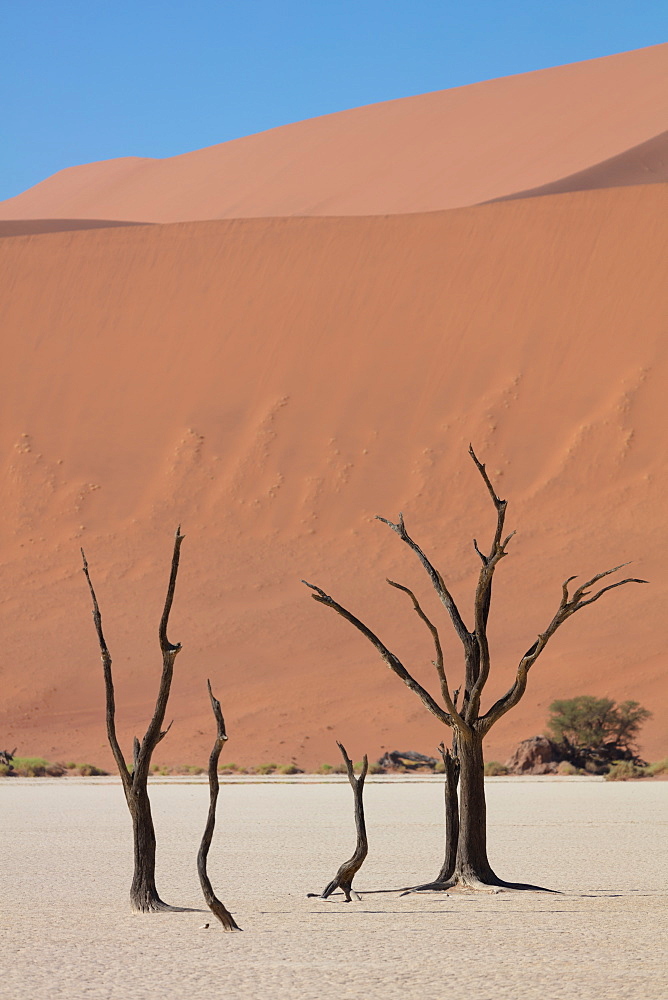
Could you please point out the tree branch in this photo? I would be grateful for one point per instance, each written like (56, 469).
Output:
(392, 661)
(567, 607)
(169, 653)
(435, 577)
(438, 662)
(483, 594)
(108, 686)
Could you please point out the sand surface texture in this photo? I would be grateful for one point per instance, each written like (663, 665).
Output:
(274, 384)
(68, 932)
(433, 151)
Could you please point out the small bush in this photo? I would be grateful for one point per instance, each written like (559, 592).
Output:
(325, 769)
(659, 767)
(30, 767)
(565, 767)
(89, 770)
(376, 769)
(439, 767)
(493, 769)
(5, 769)
(70, 765)
(54, 770)
(289, 769)
(265, 768)
(624, 770)
(229, 768)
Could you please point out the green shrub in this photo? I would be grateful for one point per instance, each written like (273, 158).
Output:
(289, 769)
(5, 769)
(623, 770)
(659, 767)
(265, 768)
(566, 768)
(493, 769)
(30, 767)
(325, 769)
(376, 769)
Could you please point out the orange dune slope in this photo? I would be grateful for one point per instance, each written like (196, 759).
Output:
(272, 385)
(643, 164)
(441, 150)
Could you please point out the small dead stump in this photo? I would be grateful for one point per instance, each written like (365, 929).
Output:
(346, 873)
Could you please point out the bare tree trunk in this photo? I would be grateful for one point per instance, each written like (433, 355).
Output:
(143, 893)
(472, 867)
(212, 901)
(451, 774)
(346, 873)
(144, 896)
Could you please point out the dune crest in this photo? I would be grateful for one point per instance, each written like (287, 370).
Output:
(441, 150)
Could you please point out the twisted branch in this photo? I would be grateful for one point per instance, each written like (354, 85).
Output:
(217, 908)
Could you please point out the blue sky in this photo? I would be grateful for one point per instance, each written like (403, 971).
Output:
(84, 80)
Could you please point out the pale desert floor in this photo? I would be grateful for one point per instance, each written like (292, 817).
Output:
(68, 931)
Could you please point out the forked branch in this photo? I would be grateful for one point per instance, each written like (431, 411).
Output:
(568, 606)
(437, 580)
(141, 750)
(483, 594)
(438, 662)
(108, 685)
(217, 908)
(393, 662)
(169, 650)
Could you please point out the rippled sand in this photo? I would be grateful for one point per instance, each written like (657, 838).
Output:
(68, 930)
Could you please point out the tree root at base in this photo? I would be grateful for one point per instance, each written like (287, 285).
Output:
(470, 884)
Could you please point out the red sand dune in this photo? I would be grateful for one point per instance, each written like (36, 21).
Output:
(274, 383)
(435, 151)
(30, 227)
(643, 164)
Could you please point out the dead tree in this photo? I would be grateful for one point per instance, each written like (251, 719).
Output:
(143, 893)
(214, 904)
(470, 725)
(349, 869)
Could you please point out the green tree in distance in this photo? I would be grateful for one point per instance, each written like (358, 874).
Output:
(597, 729)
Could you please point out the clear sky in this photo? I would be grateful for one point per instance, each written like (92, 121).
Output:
(84, 80)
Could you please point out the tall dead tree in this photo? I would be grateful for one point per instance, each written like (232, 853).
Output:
(217, 908)
(344, 877)
(143, 893)
(468, 865)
